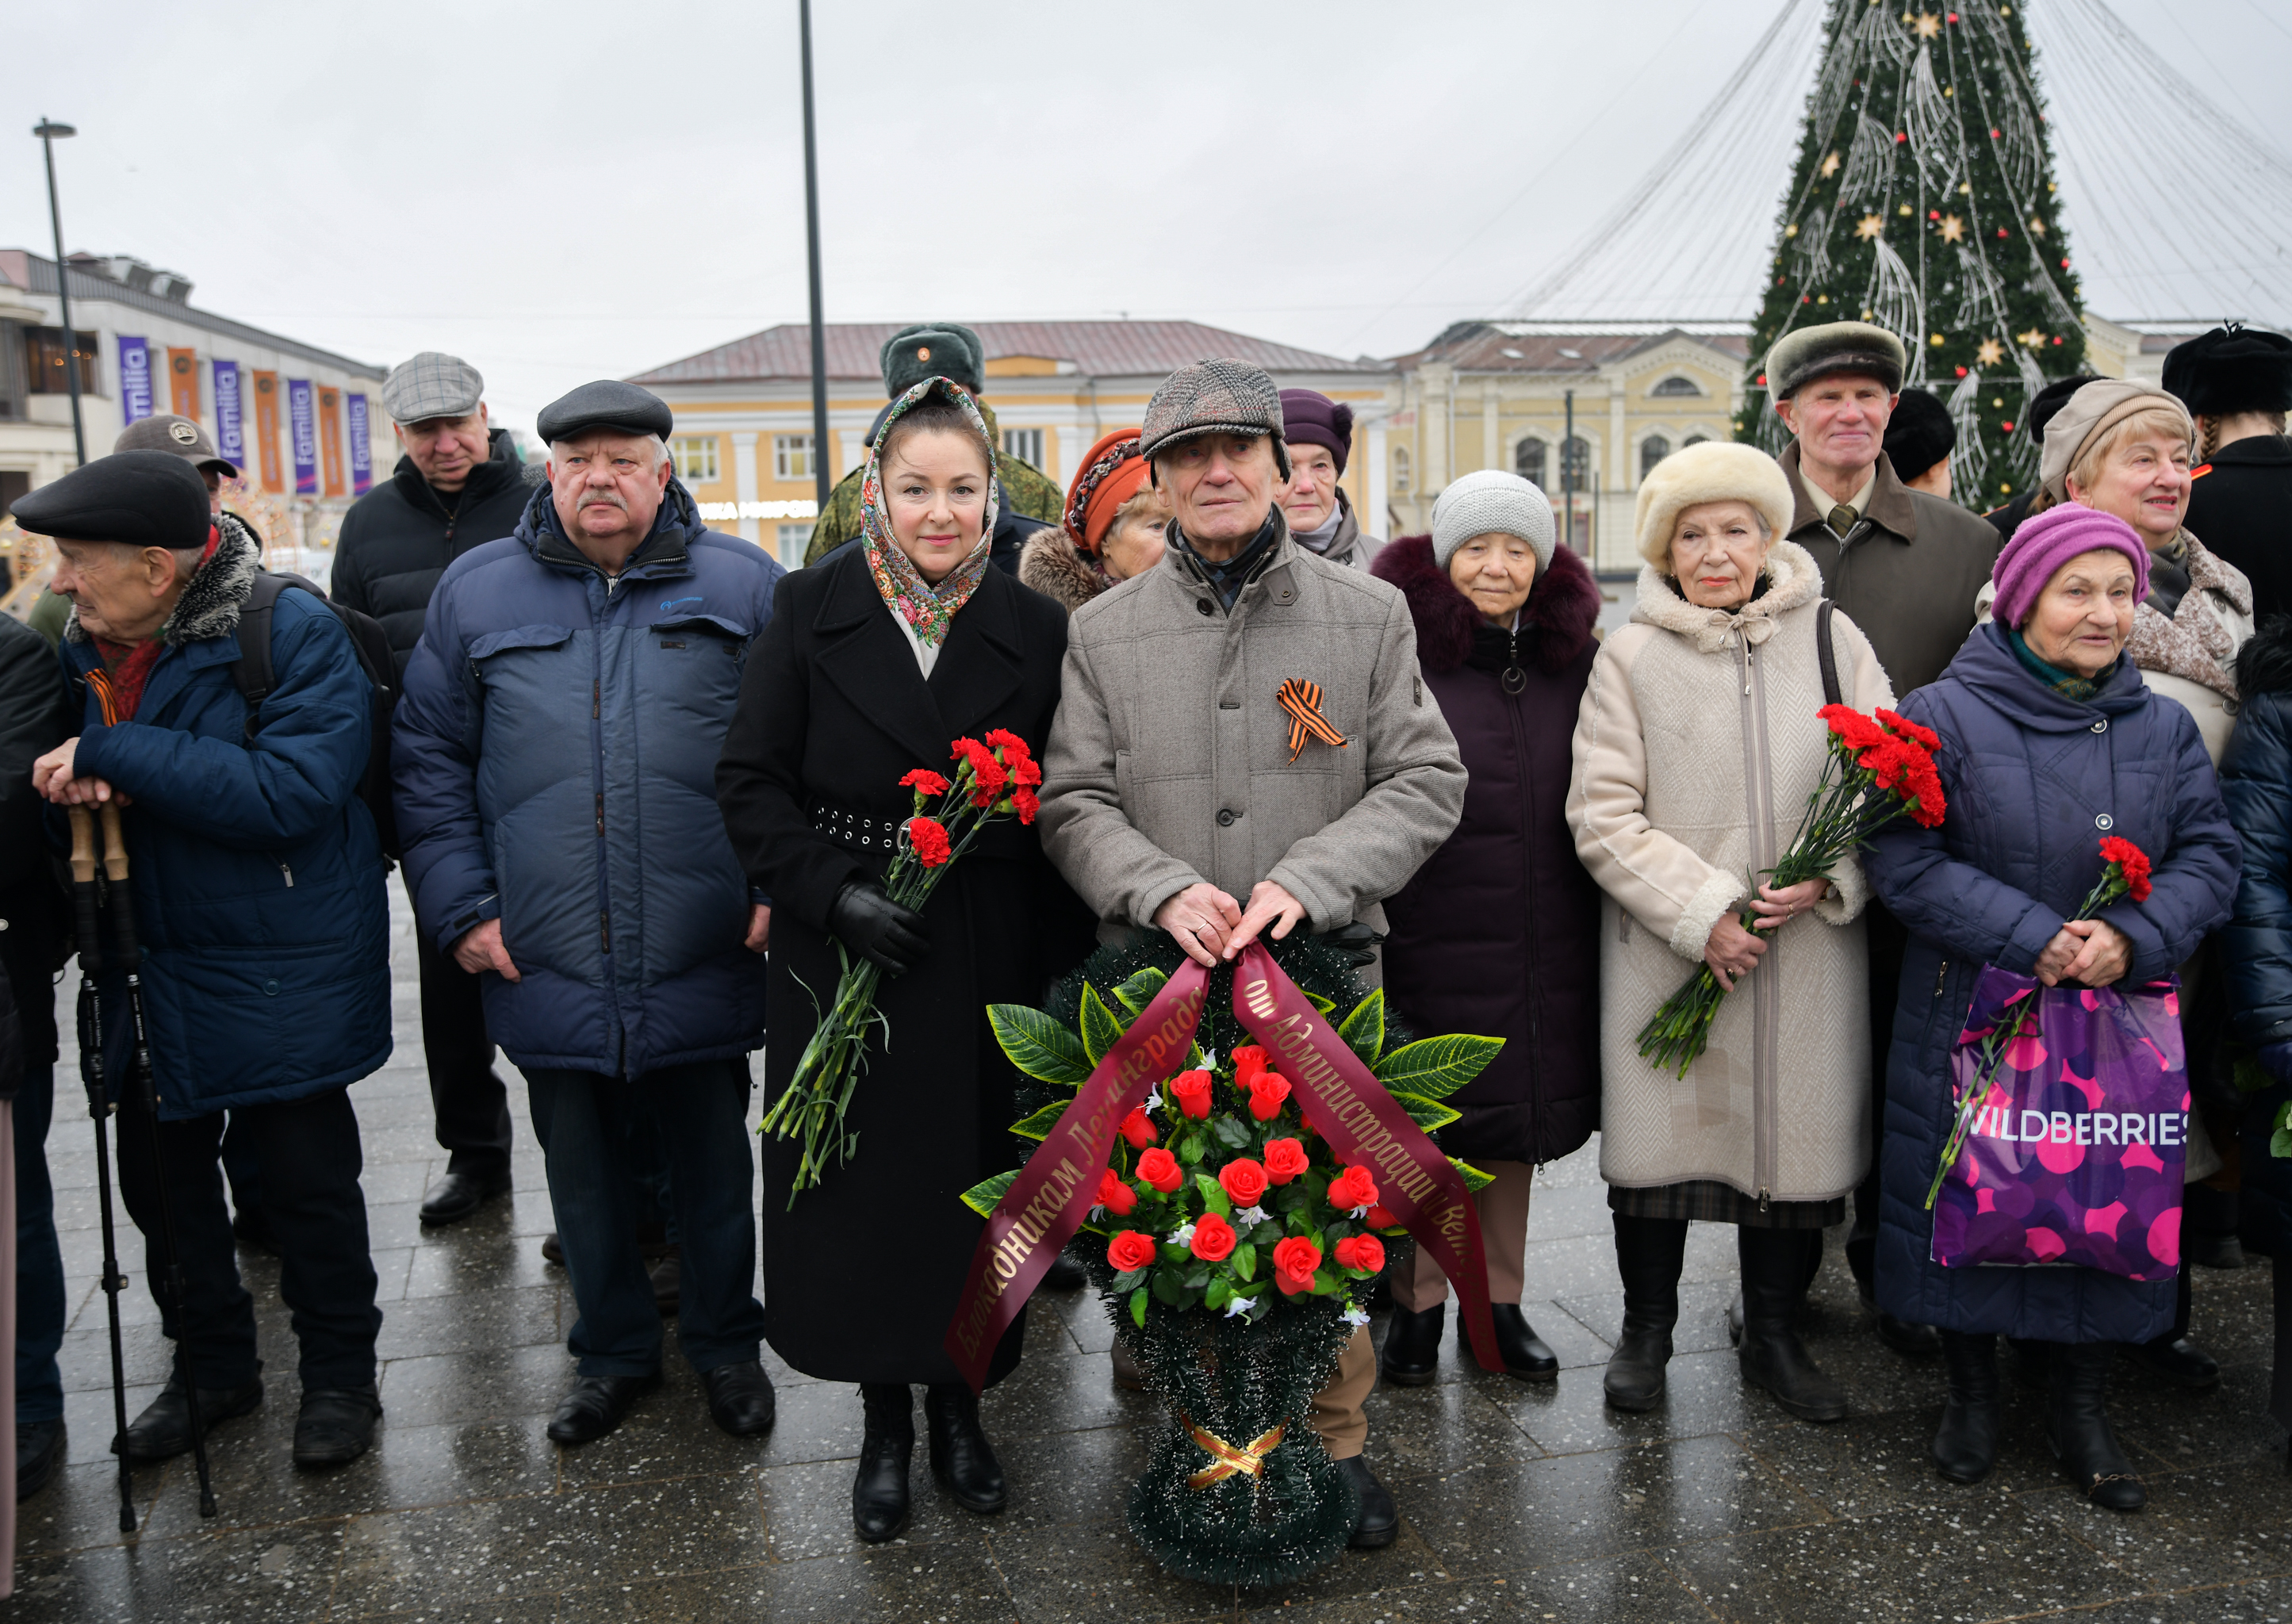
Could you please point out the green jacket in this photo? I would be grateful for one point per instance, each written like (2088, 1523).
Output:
(1027, 490)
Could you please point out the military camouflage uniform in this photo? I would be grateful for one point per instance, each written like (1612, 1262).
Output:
(1027, 490)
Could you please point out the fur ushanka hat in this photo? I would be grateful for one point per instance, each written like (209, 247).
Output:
(1715, 471)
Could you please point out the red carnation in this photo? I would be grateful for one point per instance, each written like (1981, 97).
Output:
(1116, 1196)
(1214, 1237)
(2131, 861)
(1381, 1217)
(1139, 1128)
(923, 781)
(987, 772)
(1192, 1090)
(1363, 1252)
(1023, 802)
(1294, 1263)
(1285, 1159)
(1130, 1250)
(1925, 738)
(1353, 1188)
(1267, 1091)
(1852, 730)
(929, 840)
(1161, 1169)
(1244, 1179)
(1026, 772)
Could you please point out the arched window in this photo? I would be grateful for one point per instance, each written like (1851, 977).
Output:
(1399, 471)
(1693, 440)
(1528, 461)
(1653, 449)
(1575, 464)
(1675, 384)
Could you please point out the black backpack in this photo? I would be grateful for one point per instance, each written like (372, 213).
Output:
(253, 674)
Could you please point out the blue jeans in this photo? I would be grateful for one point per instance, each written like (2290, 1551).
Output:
(590, 1129)
(39, 1260)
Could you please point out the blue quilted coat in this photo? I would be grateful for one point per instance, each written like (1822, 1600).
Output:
(2257, 947)
(555, 759)
(2035, 780)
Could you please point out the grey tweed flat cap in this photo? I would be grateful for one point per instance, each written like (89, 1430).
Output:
(431, 385)
(1213, 397)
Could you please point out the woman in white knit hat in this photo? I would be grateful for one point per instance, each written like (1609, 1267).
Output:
(1696, 748)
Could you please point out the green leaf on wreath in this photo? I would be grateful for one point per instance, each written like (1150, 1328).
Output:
(1245, 1263)
(1228, 1132)
(2279, 1143)
(1427, 1114)
(1129, 1279)
(1100, 1030)
(1363, 1030)
(1039, 1045)
(1219, 1294)
(1139, 990)
(1213, 1196)
(1039, 1125)
(1328, 1006)
(1166, 1288)
(1437, 1066)
(1474, 1179)
(1138, 1308)
(980, 1198)
(1196, 1279)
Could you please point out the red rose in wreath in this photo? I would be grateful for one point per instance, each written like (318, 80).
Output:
(1139, 1128)
(1363, 1252)
(1285, 1159)
(1214, 1237)
(1294, 1263)
(1248, 1061)
(1130, 1250)
(1192, 1090)
(1267, 1091)
(1161, 1169)
(1381, 1217)
(1353, 1188)
(1116, 1196)
(1244, 1179)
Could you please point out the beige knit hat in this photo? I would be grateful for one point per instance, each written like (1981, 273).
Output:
(2091, 412)
(1715, 471)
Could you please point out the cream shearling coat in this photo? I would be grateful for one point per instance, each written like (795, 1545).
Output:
(1696, 746)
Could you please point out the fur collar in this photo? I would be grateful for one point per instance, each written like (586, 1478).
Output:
(209, 606)
(2192, 642)
(1562, 606)
(1793, 581)
(1049, 564)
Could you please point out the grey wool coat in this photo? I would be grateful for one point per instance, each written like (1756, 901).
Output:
(1169, 760)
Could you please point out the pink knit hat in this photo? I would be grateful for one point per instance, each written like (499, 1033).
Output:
(2045, 543)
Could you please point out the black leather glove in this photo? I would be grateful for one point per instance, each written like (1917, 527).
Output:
(888, 936)
(1357, 942)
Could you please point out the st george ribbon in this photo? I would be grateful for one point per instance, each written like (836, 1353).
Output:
(1052, 1195)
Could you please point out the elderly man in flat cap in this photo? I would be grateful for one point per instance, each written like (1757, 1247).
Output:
(555, 759)
(257, 880)
(1212, 832)
(459, 484)
(1904, 566)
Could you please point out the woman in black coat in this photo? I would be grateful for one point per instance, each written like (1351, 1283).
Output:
(1497, 934)
(875, 658)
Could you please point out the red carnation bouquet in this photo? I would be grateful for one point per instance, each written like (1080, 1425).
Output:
(1877, 770)
(992, 781)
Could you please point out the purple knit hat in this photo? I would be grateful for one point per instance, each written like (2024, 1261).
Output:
(2044, 544)
(1310, 418)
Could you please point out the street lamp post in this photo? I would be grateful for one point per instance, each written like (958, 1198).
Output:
(821, 484)
(50, 132)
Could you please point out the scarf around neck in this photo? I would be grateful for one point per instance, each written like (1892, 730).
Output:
(2067, 684)
(1227, 580)
(926, 610)
(2185, 636)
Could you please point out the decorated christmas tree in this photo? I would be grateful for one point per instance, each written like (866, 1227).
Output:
(1924, 200)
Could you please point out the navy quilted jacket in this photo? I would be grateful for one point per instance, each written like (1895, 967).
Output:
(2034, 780)
(2256, 946)
(555, 760)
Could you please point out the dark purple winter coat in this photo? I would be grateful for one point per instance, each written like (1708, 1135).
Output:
(2034, 780)
(1498, 933)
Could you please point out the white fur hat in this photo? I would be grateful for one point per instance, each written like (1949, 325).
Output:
(1715, 471)
(1491, 502)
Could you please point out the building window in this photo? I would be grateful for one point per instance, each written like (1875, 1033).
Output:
(791, 457)
(1575, 464)
(1528, 461)
(1025, 444)
(1675, 386)
(1653, 449)
(793, 538)
(1401, 471)
(696, 458)
(44, 362)
(1694, 440)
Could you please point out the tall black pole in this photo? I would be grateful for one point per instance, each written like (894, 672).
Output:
(48, 132)
(820, 480)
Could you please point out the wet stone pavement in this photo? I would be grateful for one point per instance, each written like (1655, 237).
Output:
(1517, 1501)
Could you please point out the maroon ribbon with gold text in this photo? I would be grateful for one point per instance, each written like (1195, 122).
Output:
(1054, 1194)
(1365, 1125)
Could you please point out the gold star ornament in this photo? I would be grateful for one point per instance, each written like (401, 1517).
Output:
(1992, 353)
(1869, 228)
(2037, 226)
(1929, 25)
(1828, 166)
(1952, 229)
(2033, 338)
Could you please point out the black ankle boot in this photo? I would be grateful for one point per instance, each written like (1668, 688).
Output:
(2076, 1424)
(1966, 1444)
(961, 1458)
(1525, 1356)
(1411, 1356)
(879, 1493)
(1774, 1279)
(1649, 1253)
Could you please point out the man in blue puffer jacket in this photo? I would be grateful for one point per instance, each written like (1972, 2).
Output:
(257, 884)
(555, 759)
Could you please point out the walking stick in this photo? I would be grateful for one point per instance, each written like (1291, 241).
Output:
(128, 958)
(99, 1107)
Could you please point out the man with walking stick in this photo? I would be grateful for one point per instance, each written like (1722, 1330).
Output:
(243, 953)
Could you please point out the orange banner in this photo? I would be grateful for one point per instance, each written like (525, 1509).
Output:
(330, 441)
(266, 432)
(183, 383)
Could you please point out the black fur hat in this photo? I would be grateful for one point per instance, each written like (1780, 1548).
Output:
(1919, 434)
(2232, 368)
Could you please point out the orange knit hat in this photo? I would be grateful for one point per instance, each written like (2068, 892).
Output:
(1110, 474)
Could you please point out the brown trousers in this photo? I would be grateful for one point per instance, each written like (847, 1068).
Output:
(1503, 1239)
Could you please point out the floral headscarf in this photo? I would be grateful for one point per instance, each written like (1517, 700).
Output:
(927, 610)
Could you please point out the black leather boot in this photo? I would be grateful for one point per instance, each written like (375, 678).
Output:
(2174, 1356)
(1966, 1444)
(2209, 1228)
(2077, 1426)
(335, 1424)
(1522, 1351)
(164, 1430)
(961, 1458)
(1649, 1253)
(1411, 1355)
(1774, 1280)
(879, 1493)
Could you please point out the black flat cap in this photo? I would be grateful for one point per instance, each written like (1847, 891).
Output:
(142, 499)
(1919, 434)
(2232, 368)
(608, 406)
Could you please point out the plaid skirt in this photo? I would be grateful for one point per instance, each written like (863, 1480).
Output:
(1710, 1200)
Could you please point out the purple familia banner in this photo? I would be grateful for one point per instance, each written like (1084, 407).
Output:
(231, 429)
(134, 379)
(361, 447)
(303, 429)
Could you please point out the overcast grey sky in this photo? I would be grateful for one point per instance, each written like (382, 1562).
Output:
(582, 190)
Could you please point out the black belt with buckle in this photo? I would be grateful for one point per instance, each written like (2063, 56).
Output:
(872, 837)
